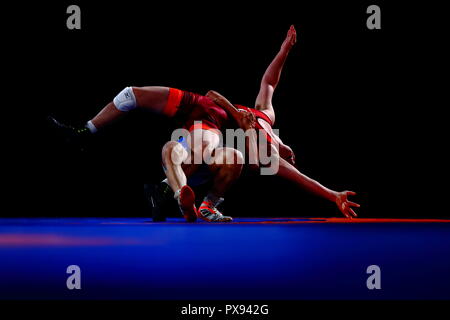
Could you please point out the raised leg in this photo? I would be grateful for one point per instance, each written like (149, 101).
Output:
(272, 76)
(150, 98)
(108, 115)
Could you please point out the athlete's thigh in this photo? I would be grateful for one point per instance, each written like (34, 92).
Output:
(202, 144)
(218, 159)
(226, 155)
(189, 168)
(152, 98)
(173, 152)
(264, 101)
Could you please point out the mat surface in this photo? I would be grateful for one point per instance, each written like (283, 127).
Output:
(252, 258)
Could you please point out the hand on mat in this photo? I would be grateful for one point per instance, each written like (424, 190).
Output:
(345, 205)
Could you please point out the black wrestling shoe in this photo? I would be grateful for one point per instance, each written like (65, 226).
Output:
(159, 197)
(77, 138)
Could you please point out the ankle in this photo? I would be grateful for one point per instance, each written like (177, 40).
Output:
(212, 200)
(91, 127)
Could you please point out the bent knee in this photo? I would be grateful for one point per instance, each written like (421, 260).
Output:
(204, 147)
(173, 152)
(268, 110)
(238, 157)
(126, 100)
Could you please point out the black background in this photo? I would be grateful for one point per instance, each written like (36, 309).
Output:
(344, 103)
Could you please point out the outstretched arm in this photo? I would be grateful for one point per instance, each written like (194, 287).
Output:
(288, 171)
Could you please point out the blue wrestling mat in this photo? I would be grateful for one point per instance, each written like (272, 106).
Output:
(254, 258)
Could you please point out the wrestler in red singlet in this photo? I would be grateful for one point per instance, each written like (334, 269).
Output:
(190, 107)
(258, 115)
(284, 151)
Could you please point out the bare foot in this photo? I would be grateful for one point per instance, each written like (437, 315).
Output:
(291, 38)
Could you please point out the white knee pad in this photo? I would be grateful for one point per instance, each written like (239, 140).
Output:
(125, 100)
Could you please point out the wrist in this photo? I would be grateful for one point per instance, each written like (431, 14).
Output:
(334, 196)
